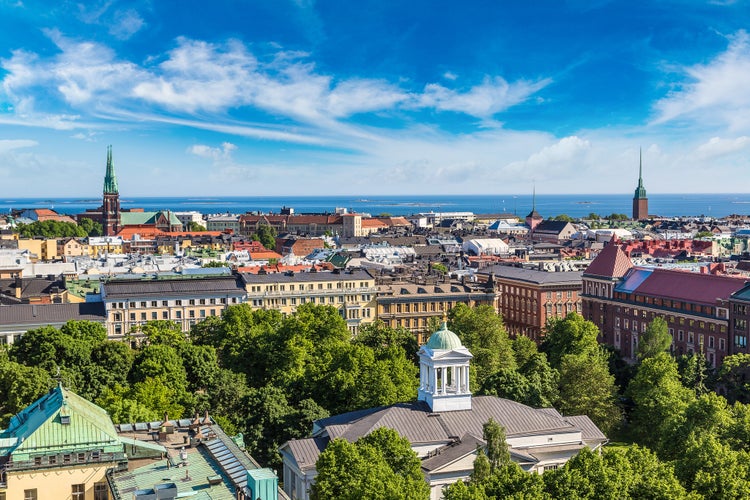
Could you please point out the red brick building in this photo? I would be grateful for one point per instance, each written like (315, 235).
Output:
(622, 299)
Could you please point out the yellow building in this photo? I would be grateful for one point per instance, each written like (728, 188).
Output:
(130, 303)
(351, 292)
(411, 306)
(59, 447)
(44, 249)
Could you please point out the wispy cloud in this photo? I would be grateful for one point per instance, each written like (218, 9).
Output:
(7, 145)
(198, 76)
(716, 147)
(715, 93)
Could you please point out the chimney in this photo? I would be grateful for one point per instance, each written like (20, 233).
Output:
(19, 287)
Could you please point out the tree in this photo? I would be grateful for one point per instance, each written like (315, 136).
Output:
(214, 263)
(658, 397)
(571, 335)
(712, 469)
(380, 465)
(708, 414)
(497, 446)
(91, 227)
(587, 388)
(655, 339)
(51, 229)
(734, 376)
(563, 218)
(195, 227)
(377, 335)
(439, 268)
(266, 235)
(482, 332)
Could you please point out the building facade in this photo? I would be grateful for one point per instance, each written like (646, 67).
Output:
(413, 306)
(130, 303)
(351, 292)
(528, 298)
(623, 299)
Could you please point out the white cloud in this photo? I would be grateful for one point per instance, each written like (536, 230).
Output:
(715, 93)
(221, 154)
(490, 97)
(126, 23)
(449, 75)
(716, 147)
(7, 145)
(565, 156)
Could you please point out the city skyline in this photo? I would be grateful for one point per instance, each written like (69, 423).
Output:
(373, 98)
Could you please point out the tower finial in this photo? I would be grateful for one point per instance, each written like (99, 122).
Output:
(640, 165)
(533, 196)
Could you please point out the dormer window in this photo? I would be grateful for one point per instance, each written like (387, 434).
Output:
(65, 419)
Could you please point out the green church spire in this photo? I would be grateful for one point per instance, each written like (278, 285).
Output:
(110, 181)
(640, 191)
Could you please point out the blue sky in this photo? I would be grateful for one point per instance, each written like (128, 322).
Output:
(300, 97)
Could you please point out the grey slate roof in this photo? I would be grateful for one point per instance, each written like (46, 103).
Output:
(449, 453)
(50, 314)
(535, 276)
(418, 424)
(132, 289)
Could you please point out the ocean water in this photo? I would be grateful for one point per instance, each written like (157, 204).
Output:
(667, 205)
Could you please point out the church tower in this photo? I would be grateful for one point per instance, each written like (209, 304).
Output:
(533, 219)
(111, 199)
(640, 201)
(444, 372)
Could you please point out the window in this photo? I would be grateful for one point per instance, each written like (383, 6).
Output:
(101, 491)
(79, 491)
(37, 460)
(178, 314)
(143, 304)
(29, 494)
(132, 316)
(178, 302)
(711, 341)
(52, 459)
(191, 314)
(191, 302)
(154, 315)
(153, 303)
(66, 458)
(81, 457)
(165, 315)
(143, 316)
(721, 344)
(164, 303)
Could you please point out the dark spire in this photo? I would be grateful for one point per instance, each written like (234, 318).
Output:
(640, 191)
(110, 181)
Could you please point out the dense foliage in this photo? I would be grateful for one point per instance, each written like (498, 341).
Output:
(58, 229)
(271, 376)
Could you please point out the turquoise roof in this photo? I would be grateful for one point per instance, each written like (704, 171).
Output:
(40, 428)
(139, 218)
(444, 339)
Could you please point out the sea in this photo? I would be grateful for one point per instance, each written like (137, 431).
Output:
(548, 205)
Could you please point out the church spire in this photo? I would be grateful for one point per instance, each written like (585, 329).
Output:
(110, 181)
(640, 191)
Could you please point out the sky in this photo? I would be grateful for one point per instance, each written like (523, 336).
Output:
(373, 97)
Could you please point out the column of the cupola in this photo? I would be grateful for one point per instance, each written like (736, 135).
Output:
(457, 370)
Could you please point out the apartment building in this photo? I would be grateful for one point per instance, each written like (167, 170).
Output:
(411, 306)
(351, 292)
(130, 303)
(528, 298)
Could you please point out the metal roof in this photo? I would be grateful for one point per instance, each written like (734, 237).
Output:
(133, 289)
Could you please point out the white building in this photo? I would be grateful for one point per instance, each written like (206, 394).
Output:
(223, 222)
(445, 424)
(187, 217)
(485, 246)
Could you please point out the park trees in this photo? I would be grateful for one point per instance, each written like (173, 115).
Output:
(655, 339)
(380, 465)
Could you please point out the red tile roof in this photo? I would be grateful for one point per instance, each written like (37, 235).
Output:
(612, 262)
(688, 286)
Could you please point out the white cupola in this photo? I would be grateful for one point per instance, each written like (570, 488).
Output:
(444, 372)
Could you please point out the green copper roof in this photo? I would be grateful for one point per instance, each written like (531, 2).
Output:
(138, 218)
(640, 191)
(444, 339)
(58, 422)
(110, 181)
